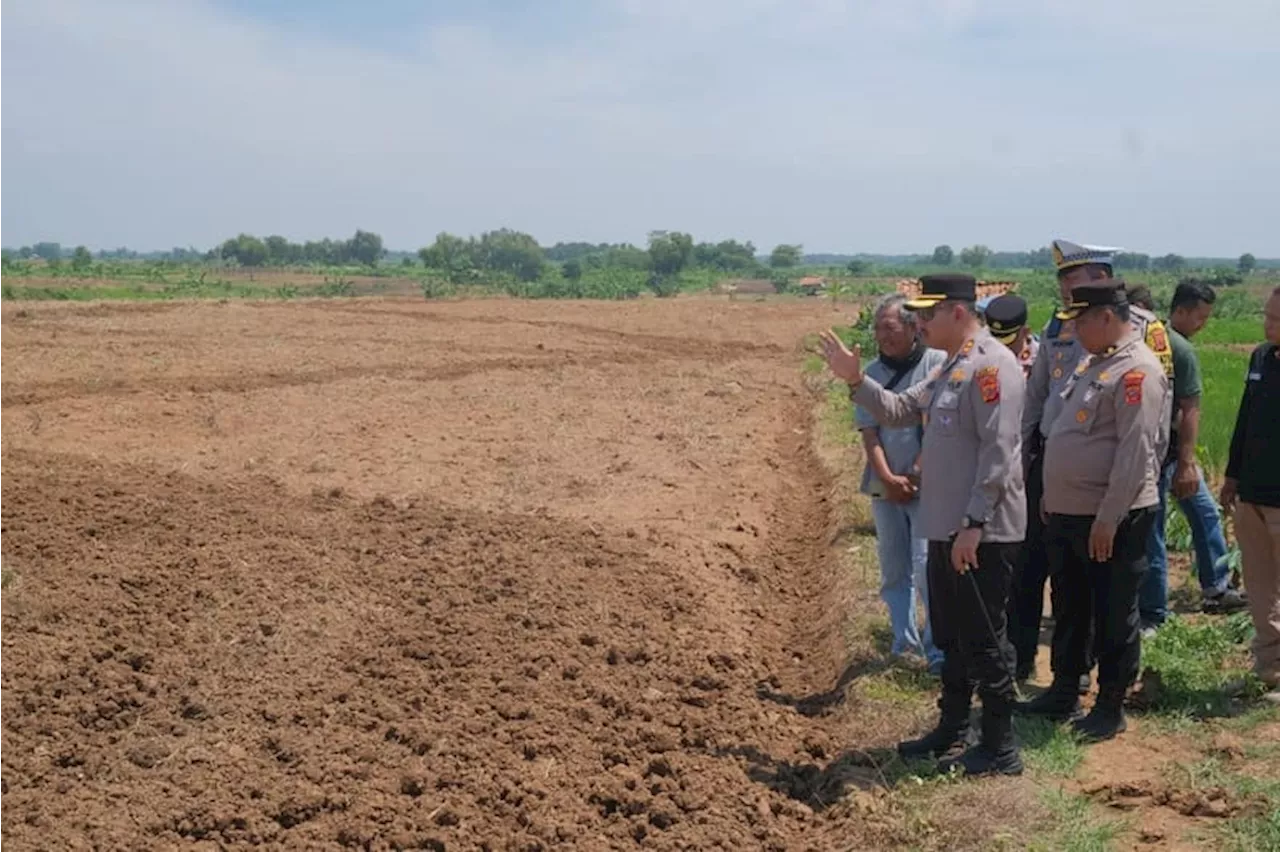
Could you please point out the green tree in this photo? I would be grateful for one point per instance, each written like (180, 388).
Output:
(857, 267)
(975, 256)
(246, 250)
(572, 269)
(48, 252)
(81, 259)
(452, 255)
(1169, 263)
(669, 252)
(1246, 264)
(786, 256)
(365, 248)
(511, 252)
(278, 250)
(943, 255)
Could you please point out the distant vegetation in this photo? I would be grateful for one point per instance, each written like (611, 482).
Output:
(512, 262)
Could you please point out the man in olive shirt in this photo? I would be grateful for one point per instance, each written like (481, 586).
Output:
(1102, 455)
(1253, 479)
(1190, 309)
(972, 511)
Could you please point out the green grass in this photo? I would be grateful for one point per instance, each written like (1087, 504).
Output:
(1251, 831)
(1193, 664)
(1047, 748)
(1250, 834)
(1222, 374)
(1075, 827)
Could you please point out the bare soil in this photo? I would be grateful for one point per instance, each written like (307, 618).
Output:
(389, 574)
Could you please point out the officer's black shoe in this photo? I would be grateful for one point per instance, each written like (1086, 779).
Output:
(948, 739)
(1105, 720)
(997, 754)
(1060, 702)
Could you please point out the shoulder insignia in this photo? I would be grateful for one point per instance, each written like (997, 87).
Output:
(967, 348)
(1156, 338)
(1133, 387)
(1103, 376)
(1082, 367)
(988, 379)
(1157, 341)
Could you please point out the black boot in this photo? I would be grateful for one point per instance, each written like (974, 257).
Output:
(1060, 702)
(951, 736)
(997, 754)
(1106, 719)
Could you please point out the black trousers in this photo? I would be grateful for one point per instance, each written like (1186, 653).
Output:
(1096, 603)
(960, 630)
(1026, 600)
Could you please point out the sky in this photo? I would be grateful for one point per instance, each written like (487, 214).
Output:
(882, 126)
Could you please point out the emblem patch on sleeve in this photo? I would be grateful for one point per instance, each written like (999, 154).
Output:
(1133, 387)
(988, 379)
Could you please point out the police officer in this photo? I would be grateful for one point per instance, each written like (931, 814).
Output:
(1006, 318)
(1103, 456)
(972, 511)
(1060, 351)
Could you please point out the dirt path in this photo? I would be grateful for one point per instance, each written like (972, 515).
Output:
(498, 576)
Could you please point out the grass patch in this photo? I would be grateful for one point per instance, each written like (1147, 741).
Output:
(1222, 373)
(1075, 826)
(1251, 833)
(1048, 748)
(898, 685)
(1256, 828)
(1187, 665)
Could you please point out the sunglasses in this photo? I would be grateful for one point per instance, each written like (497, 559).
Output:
(927, 314)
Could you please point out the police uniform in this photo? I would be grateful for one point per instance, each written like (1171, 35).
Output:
(1059, 354)
(971, 475)
(1103, 457)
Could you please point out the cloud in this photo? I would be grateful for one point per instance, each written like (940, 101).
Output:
(846, 126)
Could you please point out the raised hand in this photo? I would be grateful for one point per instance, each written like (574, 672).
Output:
(845, 364)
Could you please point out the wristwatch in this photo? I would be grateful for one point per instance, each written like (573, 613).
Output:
(972, 523)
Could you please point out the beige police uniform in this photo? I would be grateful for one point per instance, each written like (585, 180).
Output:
(971, 457)
(1103, 452)
(1102, 461)
(971, 460)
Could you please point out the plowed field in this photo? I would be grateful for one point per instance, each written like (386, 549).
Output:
(391, 574)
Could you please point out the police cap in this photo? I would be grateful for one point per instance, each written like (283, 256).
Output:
(1095, 294)
(937, 288)
(1006, 315)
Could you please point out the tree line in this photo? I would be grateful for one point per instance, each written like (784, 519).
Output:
(519, 255)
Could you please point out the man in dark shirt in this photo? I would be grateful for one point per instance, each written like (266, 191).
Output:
(1253, 484)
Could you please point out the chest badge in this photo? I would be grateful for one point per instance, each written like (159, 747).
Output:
(1082, 416)
(1057, 372)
